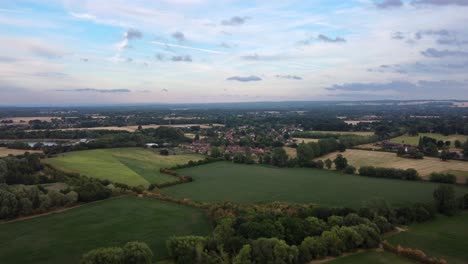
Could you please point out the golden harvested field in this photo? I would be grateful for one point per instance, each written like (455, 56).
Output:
(135, 128)
(6, 151)
(305, 140)
(291, 152)
(426, 166)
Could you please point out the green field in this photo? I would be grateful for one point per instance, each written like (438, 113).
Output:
(414, 140)
(224, 181)
(372, 257)
(64, 237)
(445, 237)
(132, 166)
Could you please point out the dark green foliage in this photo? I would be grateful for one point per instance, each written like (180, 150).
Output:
(92, 191)
(130, 253)
(184, 249)
(445, 199)
(443, 177)
(279, 157)
(273, 250)
(390, 173)
(340, 162)
(349, 169)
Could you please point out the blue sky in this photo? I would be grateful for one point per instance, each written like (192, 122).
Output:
(104, 51)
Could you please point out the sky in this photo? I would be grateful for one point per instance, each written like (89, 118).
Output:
(74, 52)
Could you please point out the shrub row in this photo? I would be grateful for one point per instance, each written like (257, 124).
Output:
(414, 254)
(443, 177)
(390, 173)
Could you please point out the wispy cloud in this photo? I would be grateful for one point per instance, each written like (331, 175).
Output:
(92, 90)
(183, 58)
(388, 4)
(179, 36)
(187, 47)
(290, 77)
(234, 21)
(325, 38)
(251, 78)
(435, 53)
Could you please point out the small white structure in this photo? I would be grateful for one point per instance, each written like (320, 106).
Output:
(151, 145)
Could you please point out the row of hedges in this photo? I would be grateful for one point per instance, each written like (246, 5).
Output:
(443, 178)
(180, 179)
(192, 163)
(414, 254)
(389, 173)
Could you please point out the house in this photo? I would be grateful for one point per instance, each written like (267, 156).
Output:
(151, 145)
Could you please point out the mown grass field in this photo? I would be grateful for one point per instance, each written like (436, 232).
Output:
(63, 237)
(445, 237)
(426, 166)
(132, 166)
(224, 181)
(414, 140)
(371, 257)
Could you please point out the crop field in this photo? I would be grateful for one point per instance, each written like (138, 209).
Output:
(414, 140)
(305, 140)
(132, 166)
(426, 166)
(63, 237)
(6, 151)
(25, 120)
(292, 153)
(132, 128)
(374, 257)
(224, 181)
(445, 237)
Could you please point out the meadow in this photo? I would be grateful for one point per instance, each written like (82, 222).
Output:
(374, 257)
(132, 166)
(426, 166)
(414, 140)
(63, 237)
(225, 181)
(445, 237)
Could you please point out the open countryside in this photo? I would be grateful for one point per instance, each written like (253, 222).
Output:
(132, 166)
(426, 166)
(414, 140)
(104, 223)
(444, 238)
(223, 181)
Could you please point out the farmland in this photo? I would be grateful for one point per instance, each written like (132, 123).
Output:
(306, 140)
(444, 237)
(223, 181)
(132, 166)
(414, 140)
(134, 128)
(6, 151)
(426, 166)
(374, 257)
(63, 237)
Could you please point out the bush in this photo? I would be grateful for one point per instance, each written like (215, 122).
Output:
(350, 169)
(443, 178)
(184, 249)
(131, 253)
(273, 250)
(445, 199)
(389, 173)
(312, 248)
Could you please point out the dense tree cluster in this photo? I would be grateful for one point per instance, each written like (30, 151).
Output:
(291, 233)
(20, 200)
(389, 173)
(443, 177)
(130, 253)
(23, 169)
